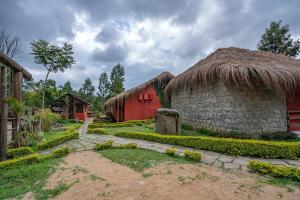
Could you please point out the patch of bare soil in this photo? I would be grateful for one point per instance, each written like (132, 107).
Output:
(92, 176)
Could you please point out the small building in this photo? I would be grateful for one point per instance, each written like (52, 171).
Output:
(71, 107)
(140, 102)
(239, 90)
(11, 78)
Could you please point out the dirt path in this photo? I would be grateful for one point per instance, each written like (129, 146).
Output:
(92, 176)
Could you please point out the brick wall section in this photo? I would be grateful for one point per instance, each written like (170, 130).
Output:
(236, 110)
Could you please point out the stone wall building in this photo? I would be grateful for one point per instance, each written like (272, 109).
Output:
(238, 90)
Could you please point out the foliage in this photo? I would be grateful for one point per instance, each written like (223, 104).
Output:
(170, 151)
(139, 159)
(127, 146)
(48, 118)
(33, 138)
(101, 131)
(192, 155)
(242, 147)
(87, 90)
(164, 101)
(110, 125)
(15, 105)
(276, 171)
(277, 39)
(106, 145)
(61, 152)
(117, 80)
(52, 57)
(104, 86)
(19, 152)
(278, 136)
(28, 159)
(67, 88)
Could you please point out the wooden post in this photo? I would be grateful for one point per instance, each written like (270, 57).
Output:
(3, 114)
(17, 82)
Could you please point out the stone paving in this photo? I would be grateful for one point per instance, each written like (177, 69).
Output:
(88, 142)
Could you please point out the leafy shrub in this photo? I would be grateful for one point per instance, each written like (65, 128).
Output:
(61, 152)
(192, 155)
(101, 131)
(19, 152)
(278, 136)
(242, 147)
(213, 133)
(110, 125)
(28, 159)
(170, 151)
(58, 140)
(48, 118)
(276, 171)
(106, 145)
(33, 138)
(68, 121)
(128, 146)
(187, 127)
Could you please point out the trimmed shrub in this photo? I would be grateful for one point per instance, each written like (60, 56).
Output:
(128, 146)
(61, 152)
(110, 125)
(276, 171)
(170, 151)
(58, 140)
(242, 147)
(19, 152)
(278, 136)
(192, 155)
(187, 127)
(32, 158)
(106, 145)
(101, 131)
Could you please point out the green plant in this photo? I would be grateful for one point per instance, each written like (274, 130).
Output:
(47, 118)
(243, 147)
(28, 159)
(106, 145)
(61, 152)
(170, 151)
(276, 171)
(187, 127)
(278, 136)
(33, 138)
(192, 155)
(128, 146)
(19, 152)
(101, 131)
(58, 140)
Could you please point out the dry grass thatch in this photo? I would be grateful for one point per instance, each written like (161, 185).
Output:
(162, 80)
(11, 63)
(241, 67)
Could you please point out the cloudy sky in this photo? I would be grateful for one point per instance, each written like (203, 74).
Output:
(145, 36)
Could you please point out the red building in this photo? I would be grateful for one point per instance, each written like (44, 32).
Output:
(140, 102)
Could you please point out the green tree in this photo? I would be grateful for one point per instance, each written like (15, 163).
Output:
(104, 86)
(117, 80)
(53, 58)
(277, 39)
(67, 88)
(87, 90)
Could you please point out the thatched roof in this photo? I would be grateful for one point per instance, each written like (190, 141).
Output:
(11, 63)
(162, 80)
(241, 67)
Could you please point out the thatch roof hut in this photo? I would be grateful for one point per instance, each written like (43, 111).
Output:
(235, 81)
(143, 99)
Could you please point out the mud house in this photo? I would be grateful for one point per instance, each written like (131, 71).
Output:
(140, 102)
(11, 77)
(71, 106)
(239, 90)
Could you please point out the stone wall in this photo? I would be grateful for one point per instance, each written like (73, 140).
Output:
(232, 110)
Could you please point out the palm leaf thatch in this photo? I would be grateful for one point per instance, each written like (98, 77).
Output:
(243, 68)
(161, 80)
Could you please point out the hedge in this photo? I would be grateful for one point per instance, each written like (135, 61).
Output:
(19, 152)
(192, 155)
(242, 147)
(120, 124)
(32, 158)
(276, 171)
(101, 131)
(58, 140)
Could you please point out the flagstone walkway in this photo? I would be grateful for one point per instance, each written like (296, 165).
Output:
(88, 142)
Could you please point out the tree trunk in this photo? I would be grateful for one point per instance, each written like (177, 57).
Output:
(44, 89)
(3, 114)
(17, 82)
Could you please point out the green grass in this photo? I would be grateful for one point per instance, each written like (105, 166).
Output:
(140, 159)
(22, 179)
(281, 182)
(144, 129)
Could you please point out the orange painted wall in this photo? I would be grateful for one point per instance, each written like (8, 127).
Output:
(81, 116)
(143, 106)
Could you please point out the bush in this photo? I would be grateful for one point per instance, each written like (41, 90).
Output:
(97, 131)
(213, 133)
(19, 152)
(192, 155)
(58, 140)
(187, 127)
(278, 136)
(128, 146)
(48, 118)
(276, 171)
(242, 147)
(29, 159)
(170, 151)
(103, 146)
(32, 139)
(110, 125)
(61, 152)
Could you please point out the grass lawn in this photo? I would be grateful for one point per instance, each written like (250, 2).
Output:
(51, 134)
(140, 159)
(22, 179)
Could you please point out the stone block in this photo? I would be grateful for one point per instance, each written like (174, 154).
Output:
(167, 121)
